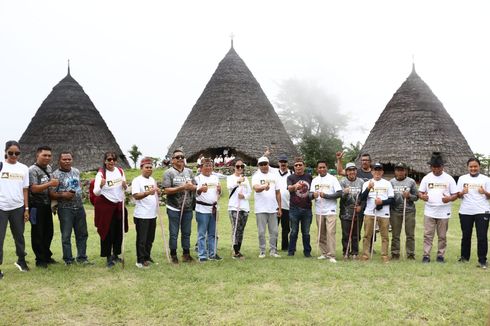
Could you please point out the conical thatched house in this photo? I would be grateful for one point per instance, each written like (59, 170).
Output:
(413, 125)
(68, 121)
(233, 113)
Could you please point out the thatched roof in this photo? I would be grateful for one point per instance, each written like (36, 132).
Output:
(68, 120)
(413, 125)
(233, 112)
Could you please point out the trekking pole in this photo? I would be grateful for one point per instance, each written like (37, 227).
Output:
(123, 236)
(318, 237)
(403, 228)
(216, 231)
(182, 208)
(349, 243)
(236, 222)
(374, 226)
(160, 217)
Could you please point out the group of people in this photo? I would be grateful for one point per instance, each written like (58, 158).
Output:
(282, 198)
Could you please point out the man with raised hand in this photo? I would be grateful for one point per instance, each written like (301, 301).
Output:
(378, 194)
(438, 190)
(325, 189)
(299, 185)
(180, 188)
(267, 205)
(283, 174)
(403, 210)
(71, 213)
(41, 216)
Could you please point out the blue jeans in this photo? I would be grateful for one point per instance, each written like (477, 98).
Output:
(73, 218)
(206, 227)
(185, 227)
(296, 216)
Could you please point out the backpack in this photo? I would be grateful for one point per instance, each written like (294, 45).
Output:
(91, 195)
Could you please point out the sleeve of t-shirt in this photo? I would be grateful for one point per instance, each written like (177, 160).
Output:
(255, 180)
(391, 191)
(487, 184)
(313, 185)
(247, 191)
(230, 182)
(135, 186)
(98, 178)
(123, 175)
(423, 185)
(25, 182)
(290, 180)
(452, 187)
(276, 182)
(191, 175)
(336, 185)
(33, 179)
(459, 185)
(167, 180)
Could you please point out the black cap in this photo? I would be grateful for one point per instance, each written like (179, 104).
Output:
(377, 165)
(436, 159)
(282, 157)
(400, 165)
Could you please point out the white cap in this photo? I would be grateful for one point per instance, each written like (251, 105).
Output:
(350, 165)
(263, 159)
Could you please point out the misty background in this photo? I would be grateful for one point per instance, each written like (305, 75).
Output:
(145, 64)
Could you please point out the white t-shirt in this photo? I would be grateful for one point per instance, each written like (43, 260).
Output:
(282, 180)
(437, 187)
(243, 188)
(328, 185)
(211, 196)
(382, 189)
(473, 202)
(13, 179)
(112, 189)
(147, 207)
(265, 201)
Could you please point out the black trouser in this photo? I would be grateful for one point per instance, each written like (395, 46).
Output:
(481, 223)
(42, 233)
(285, 229)
(16, 219)
(145, 235)
(111, 245)
(354, 246)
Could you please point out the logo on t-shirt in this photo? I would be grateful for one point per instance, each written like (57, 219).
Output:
(439, 186)
(12, 176)
(303, 191)
(148, 187)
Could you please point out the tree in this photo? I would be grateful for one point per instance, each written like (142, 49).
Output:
(484, 163)
(352, 151)
(312, 119)
(134, 154)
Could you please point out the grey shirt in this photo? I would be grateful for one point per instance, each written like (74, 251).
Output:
(399, 187)
(347, 201)
(38, 176)
(174, 178)
(69, 181)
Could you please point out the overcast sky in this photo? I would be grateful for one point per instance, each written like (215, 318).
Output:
(145, 63)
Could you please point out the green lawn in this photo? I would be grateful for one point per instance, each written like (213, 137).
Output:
(289, 290)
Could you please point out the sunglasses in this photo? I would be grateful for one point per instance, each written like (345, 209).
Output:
(111, 159)
(13, 153)
(179, 157)
(239, 166)
(297, 165)
(263, 164)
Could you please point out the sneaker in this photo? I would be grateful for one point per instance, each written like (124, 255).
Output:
(332, 260)
(151, 261)
(395, 257)
(440, 259)
(69, 262)
(238, 255)
(174, 259)
(262, 255)
(307, 255)
(187, 258)
(203, 260)
(354, 257)
(215, 257)
(482, 265)
(84, 262)
(290, 253)
(116, 259)
(321, 257)
(110, 263)
(51, 261)
(275, 255)
(41, 264)
(426, 259)
(462, 260)
(144, 264)
(385, 259)
(22, 266)
(411, 257)
(364, 258)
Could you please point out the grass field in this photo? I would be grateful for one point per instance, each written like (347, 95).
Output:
(288, 290)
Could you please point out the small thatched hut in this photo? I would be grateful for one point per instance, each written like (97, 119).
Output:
(67, 120)
(413, 125)
(233, 113)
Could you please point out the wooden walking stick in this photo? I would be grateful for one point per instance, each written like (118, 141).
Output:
(160, 217)
(216, 231)
(123, 236)
(236, 221)
(403, 228)
(374, 227)
(349, 243)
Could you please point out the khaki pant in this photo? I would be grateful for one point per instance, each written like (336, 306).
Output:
(326, 234)
(384, 224)
(396, 220)
(431, 225)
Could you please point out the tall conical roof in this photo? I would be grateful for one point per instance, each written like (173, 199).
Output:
(233, 112)
(413, 125)
(67, 120)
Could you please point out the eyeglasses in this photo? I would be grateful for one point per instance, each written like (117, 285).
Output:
(111, 159)
(365, 160)
(297, 165)
(179, 157)
(238, 166)
(13, 153)
(263, 163)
